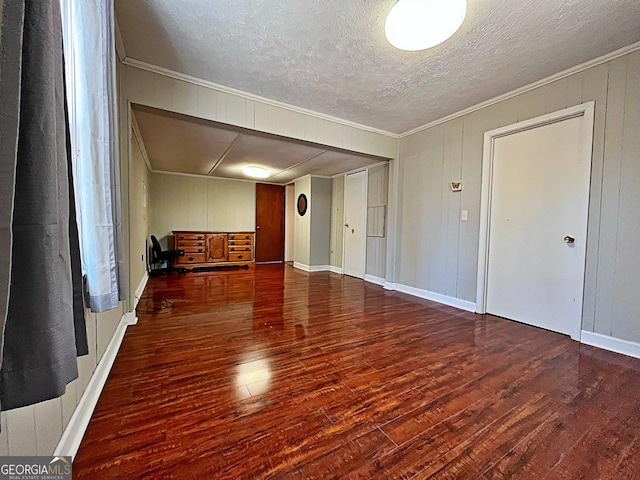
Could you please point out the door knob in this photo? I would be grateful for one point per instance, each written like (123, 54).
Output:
(569, 239)
(258, 227)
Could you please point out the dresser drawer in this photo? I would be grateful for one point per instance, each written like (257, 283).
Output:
(189, 236)
(190, 243)
(192, 258)
(240, 242)
(188, 249)
(239, 256)
(239, 248)
(240, 236)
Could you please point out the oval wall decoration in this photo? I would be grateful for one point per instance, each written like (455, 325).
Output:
(302, 204)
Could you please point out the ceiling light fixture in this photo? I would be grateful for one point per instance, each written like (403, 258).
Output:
(419, 24)
(255, 172)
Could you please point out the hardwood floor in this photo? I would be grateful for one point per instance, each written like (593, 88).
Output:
(277, 373)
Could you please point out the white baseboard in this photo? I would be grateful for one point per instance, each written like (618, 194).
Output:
(140, 290)
(612, 344)
(436, 297)
(335, 269)
(320, 268)
(373, 279)
(313, 268)
(79, 421)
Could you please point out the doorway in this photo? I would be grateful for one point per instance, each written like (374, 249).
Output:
(533, 226)
(355, 224)
(269, 223)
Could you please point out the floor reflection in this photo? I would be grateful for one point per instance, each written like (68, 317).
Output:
(254, 375)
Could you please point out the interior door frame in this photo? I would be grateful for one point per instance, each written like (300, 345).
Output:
(344, 217)
(584, 111)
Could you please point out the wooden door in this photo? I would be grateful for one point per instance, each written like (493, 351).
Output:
(216, 247)
(269, 243)
(355, 217)
(538, 225)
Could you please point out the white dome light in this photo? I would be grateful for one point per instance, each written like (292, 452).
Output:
(255, 172)
(420, 24)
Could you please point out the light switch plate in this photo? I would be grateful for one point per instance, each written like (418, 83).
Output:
(464, 215)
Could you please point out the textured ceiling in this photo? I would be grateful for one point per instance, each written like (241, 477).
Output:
(183, 144)
(331, 55)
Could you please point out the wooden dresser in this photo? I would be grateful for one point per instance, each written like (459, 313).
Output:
(206, 249)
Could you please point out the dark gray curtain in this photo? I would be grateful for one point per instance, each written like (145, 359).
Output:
(44, 329)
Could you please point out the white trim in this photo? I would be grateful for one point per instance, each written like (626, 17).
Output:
(310, 175)
(373, 279)
(532, 86)
(313, 268)
(433, 296)
(366, 167)
(612, 344)
(72, 435)
(301, 266)
(132, 62)
(195, 175)
(140, 290)
(334, 269)
(138, 136)
(585, 110)
(122, 54)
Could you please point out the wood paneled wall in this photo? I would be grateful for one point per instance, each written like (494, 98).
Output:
(378, 195)
(156, 90)
(437, 252)
(337, 221)
(36, 429)
(180, 202)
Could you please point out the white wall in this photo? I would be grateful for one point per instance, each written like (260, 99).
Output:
(437, 252)
(302, 224)
(138, 215)
(289, 221)
(320, 221)
(180, 202)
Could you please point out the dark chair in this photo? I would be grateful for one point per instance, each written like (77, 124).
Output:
(160, 256)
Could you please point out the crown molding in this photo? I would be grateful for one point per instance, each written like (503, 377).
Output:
(132, 62)
(532, 86)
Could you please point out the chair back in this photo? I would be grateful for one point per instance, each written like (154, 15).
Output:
(156, 248)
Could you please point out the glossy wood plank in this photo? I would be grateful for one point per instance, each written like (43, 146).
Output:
(278, 373)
